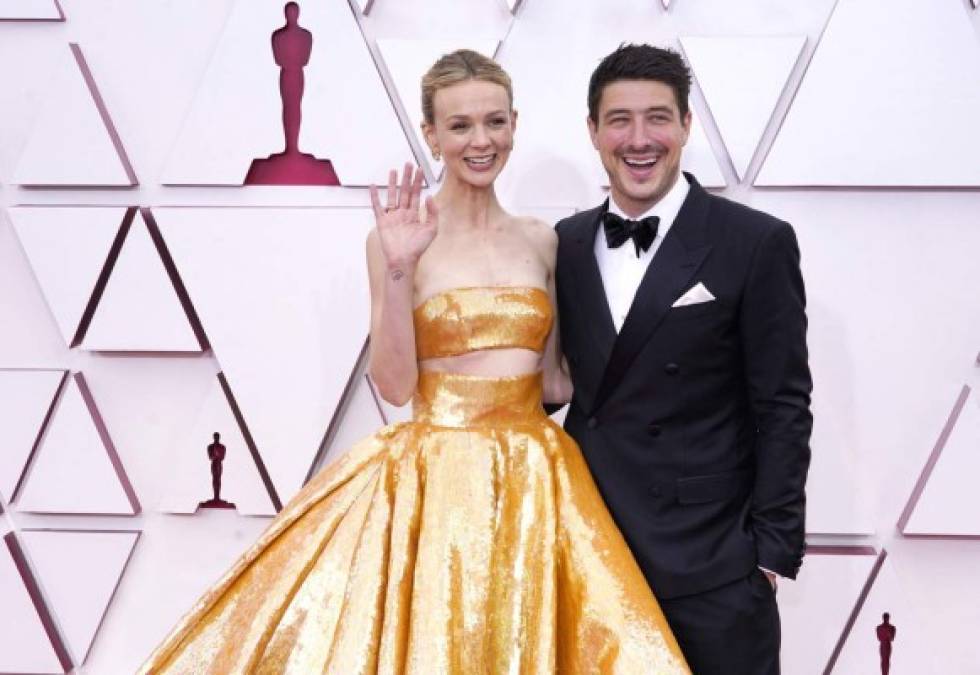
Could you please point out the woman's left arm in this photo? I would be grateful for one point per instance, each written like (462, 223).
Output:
(557, 383)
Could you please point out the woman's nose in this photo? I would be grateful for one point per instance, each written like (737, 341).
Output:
(480, 137)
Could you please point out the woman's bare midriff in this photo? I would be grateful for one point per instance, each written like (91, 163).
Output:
(487, 363)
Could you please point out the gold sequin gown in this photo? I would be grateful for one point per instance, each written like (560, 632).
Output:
(470, 540)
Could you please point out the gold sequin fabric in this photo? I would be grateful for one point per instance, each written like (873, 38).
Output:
(462, 320)
(471, 540)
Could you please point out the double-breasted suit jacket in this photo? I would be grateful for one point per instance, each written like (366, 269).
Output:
(695, 419)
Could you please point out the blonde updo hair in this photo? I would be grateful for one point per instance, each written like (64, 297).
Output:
(460, 66)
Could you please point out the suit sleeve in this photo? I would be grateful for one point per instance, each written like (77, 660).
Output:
(773, 332)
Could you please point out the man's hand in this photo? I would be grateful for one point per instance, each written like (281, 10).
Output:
(771, 576)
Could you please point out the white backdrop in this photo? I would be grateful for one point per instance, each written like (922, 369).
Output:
(182, 303)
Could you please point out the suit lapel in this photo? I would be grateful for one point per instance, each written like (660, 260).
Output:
(587, 283)
(670, 273)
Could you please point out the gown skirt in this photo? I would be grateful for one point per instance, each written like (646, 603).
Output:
(470, 540)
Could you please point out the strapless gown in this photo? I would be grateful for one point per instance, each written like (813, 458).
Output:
(470, 540)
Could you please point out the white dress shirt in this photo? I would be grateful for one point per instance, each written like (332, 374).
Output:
(620, 269)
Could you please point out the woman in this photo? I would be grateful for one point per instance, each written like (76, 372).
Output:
(471, 539)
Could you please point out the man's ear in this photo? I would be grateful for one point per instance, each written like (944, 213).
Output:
(686, 123)
(593, 131)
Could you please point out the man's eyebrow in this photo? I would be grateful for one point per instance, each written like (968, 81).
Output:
(656, 108)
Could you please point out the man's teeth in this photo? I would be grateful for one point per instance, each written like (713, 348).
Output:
(640, 163)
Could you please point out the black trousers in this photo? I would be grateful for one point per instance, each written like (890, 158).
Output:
(729, 630)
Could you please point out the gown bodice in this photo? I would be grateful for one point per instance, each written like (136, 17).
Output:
(462, 320)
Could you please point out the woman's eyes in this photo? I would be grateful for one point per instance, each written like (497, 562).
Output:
(461, 126)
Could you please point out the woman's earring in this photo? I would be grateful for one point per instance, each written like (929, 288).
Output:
(436, 155)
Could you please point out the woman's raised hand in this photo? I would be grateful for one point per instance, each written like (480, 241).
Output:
(404, 235)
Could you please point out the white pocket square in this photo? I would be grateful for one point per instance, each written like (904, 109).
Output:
(696, 295)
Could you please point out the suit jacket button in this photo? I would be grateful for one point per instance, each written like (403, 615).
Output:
(654, 430)
(592, 423)
(672, 369)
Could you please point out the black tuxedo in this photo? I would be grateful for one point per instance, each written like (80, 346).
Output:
(695, 420)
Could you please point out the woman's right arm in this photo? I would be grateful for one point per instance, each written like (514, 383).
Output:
(394, 247)
(391, 361)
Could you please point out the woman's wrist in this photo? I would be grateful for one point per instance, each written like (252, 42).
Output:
(402, 265)
(399, 269)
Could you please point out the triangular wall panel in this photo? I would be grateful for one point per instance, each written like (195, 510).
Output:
(139, 309)
(837, 497)
(76, 468)
(283, 296)
(435, 19)
(31, 10)
(190, 468)
(742, 78)
(236, 115)
(911, 651)
(944, 499)
(408, 60)
(73, 142)
(361, 418)
(699, 158)
(26, 399)
(30, 335)
(866, 114)
(67, 248)
(815, 608)
(78, 572)
(29, 641)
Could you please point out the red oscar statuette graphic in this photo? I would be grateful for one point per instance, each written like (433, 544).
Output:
(216, 453)
(291, 47)
(886, 635)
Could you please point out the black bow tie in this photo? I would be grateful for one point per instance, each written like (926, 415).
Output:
(619, 229)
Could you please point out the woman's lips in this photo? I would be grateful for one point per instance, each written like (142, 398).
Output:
(482, 163)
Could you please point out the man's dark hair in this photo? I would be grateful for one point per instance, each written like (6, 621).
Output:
(641, 62)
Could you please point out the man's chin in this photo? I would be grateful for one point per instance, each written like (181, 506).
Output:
(644, 194)
(647, 192)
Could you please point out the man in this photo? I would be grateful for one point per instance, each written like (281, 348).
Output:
(686, 343)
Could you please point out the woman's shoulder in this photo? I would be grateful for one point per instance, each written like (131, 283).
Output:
(538, 231)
